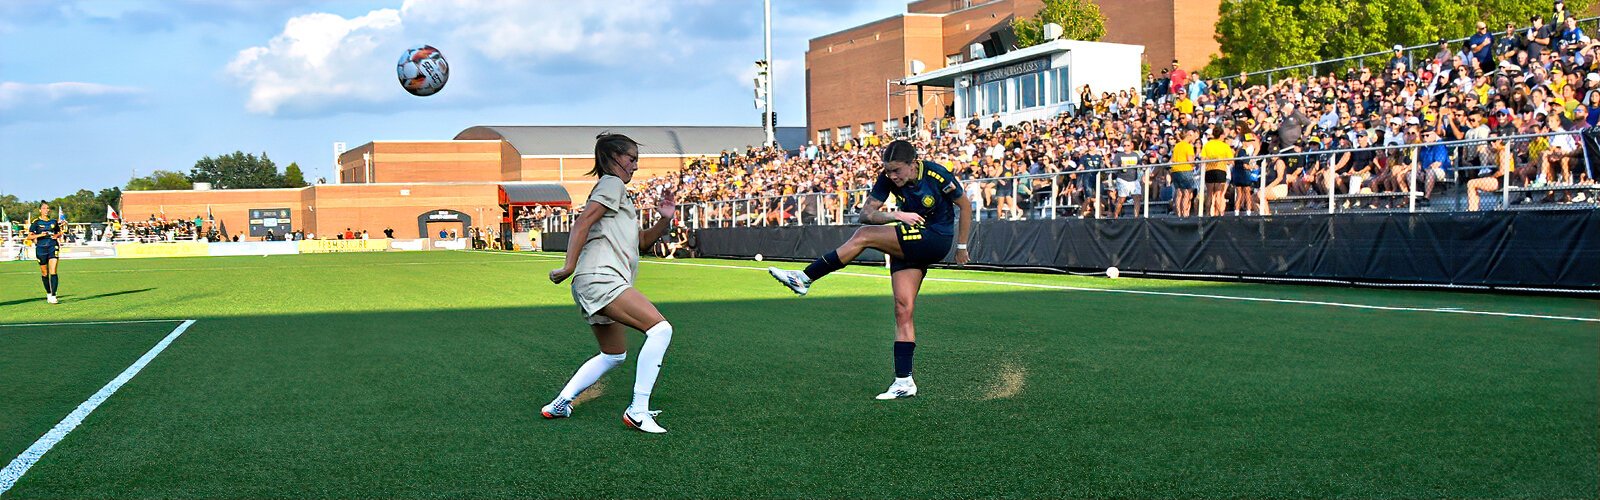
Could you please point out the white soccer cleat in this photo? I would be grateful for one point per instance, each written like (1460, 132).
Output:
(560, 408)
(795, 280)
(644, 421)
(51, 299)
(901, 388)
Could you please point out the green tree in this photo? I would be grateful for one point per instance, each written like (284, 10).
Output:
(1259, 34)
(237, 171)
(1079, 20)
(160, 180)
(1256, 35)
(293, 177)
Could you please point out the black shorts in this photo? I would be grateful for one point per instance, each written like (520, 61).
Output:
(922, 247)
(1216, 176)
(45, 254)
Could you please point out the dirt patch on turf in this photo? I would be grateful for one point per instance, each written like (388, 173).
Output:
(1008, 382)
(594, 391)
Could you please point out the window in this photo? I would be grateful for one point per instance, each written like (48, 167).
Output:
(952, 60)
(844, 133)
(993, 95)
(1063, 87)
(868, 129)
(822, 137)
(1028, 89)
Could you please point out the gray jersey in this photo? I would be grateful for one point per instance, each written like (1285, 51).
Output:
(610, 259)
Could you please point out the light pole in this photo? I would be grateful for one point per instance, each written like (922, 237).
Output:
(768, 121)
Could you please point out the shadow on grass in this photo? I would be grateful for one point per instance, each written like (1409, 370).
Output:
(772, 397)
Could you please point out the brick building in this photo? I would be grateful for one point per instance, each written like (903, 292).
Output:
(419, 187)
(848, 72)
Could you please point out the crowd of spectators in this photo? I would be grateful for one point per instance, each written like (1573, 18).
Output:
(1538, 78)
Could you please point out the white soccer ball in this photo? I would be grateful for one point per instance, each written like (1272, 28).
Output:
(758, 257)
(1111, 272)
(422, 70)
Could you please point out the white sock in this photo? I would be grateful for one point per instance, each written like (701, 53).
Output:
(589, 373)
(655, 347)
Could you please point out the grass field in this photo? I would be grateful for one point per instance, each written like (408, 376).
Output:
(421, 375)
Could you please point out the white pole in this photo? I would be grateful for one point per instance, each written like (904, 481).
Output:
(766, 28)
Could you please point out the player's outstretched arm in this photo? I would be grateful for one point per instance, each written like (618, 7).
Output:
(580, 235)
(667, 207)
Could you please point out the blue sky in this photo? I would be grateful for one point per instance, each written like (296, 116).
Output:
(92, 92)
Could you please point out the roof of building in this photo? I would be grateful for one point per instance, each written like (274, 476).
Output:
(534, 193)
(946, 77)
(564, 140)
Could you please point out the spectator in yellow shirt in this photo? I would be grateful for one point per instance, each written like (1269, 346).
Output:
(1218, 155)
(1183, 176)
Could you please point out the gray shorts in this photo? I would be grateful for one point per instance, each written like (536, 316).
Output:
(593, 292)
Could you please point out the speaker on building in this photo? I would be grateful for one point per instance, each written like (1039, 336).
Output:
(991, 46)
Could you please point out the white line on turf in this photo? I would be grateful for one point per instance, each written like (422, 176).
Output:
(20, 465)
(1152, 292)
(239, 268)
(93, 323)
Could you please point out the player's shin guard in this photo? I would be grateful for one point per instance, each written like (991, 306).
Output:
(824, 265)
(902, 358)
(655, 348)
(590, 372)
(55, 283)
(46, 281)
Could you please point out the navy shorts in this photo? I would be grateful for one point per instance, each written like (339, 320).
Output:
(45, 254)
(922, 247)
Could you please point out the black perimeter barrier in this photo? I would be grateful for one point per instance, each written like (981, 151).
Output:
(1525, 251)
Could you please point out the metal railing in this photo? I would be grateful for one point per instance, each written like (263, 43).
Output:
(1393, 183)
(1361, 59)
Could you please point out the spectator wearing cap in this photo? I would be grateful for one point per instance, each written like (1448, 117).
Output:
(1399, 61)
(1434, 161)
(1538, 36)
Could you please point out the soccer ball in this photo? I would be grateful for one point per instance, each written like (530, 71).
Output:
(1111, 272)
(758, 257)
(423, 70)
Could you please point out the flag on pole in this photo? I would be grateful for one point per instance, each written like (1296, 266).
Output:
(111, 213)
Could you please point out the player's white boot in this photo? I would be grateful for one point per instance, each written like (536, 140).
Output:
(795, 280)
(559, 408)
(901, 388)
(51, 299)
(642, 420)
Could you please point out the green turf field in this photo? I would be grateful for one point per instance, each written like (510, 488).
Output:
(421, 375)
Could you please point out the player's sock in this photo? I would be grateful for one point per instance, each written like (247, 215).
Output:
(46, 281)
(589, 373)
(902, 358)
(655, 348)
(824, 265)
(55, 283)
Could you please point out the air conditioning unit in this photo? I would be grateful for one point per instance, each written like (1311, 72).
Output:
(976, 51)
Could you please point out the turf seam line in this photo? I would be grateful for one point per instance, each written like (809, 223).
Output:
(131, 321)
(1152, 292)
(20, 465)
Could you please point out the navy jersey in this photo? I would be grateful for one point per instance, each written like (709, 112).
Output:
(932, 195)
(46, 229)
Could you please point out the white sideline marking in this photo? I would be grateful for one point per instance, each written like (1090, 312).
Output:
(1152, 292)
(233, 268)
(93, 323)
(20, 465)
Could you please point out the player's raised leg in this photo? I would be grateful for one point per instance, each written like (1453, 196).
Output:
(907, 283)
(613, 351)
(881, 238)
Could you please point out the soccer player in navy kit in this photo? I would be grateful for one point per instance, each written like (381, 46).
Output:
(45, 234)
(915, 237)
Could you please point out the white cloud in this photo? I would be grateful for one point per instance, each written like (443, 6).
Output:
(320, 60)
(44, 101)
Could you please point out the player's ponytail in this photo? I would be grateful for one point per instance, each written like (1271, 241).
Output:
(606, 146)
(900, 151)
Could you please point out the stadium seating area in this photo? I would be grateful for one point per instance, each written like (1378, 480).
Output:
(1429, 133)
